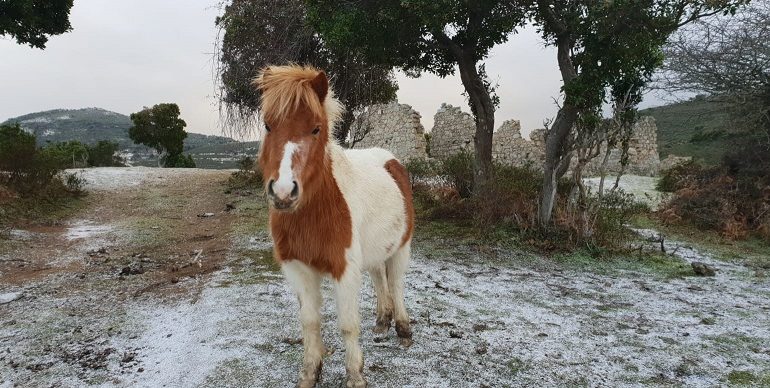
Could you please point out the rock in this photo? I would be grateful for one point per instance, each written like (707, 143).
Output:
(206, 215)
(9, 297)
(480, 327)
(455, 334)
(229, 207)
(702, 269)
(481, 349)
(131, 270)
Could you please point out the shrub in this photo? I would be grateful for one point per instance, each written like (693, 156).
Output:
(34, 172)
(678, 176)
(421, 170)
(103, 154)
(458, 170)
(179, 161)
(733, 198)
(69, 154)
(17, 149)
(510, 203)
(248, 176)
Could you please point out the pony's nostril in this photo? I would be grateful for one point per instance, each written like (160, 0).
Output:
(270, 191)
(295, 190)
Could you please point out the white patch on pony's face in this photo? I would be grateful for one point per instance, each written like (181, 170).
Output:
(284, 185)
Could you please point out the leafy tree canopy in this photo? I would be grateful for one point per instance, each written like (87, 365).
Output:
(413, 35)
(429, 35)
(159, 128)
(32, 22)
(266, 32)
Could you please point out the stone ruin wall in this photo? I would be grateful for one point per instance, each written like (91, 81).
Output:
(397, 127)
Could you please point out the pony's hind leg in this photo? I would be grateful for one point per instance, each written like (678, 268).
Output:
(347, 290)
(384, 300)
(306, 283)
(396, 267)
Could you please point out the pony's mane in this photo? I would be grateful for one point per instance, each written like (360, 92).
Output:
(287, 88)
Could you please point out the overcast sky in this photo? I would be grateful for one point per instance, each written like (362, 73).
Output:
(124, 55)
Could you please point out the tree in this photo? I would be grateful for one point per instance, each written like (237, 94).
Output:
(266, 32)
(598, 44)
(161, 129)
(727, 58)
(67, 154)
(32, 22)
(103, 154)
(428, 35)
(17, 149)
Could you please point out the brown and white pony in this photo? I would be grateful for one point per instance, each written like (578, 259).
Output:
(334, 213)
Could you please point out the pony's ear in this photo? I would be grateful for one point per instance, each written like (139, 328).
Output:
(320, 85)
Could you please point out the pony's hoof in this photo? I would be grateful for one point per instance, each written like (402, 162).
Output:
(309, 377)
(355, 382)
(381, 327)
(405, 342)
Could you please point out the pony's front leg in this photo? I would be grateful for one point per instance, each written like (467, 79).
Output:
(346, 291)
(306, 283)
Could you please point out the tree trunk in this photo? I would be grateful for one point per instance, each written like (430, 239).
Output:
(556, 160)
(484, 111)
(557, 137)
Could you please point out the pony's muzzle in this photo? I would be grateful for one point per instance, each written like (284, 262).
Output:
(283, 198)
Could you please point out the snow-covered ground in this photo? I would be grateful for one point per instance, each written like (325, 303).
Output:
(114, 178)
(481, 317)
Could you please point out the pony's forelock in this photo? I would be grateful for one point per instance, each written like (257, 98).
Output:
(287, 88)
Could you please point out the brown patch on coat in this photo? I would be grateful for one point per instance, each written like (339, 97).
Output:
(319, 231)
(401, 176)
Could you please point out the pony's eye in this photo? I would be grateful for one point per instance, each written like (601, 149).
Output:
(267, 128)
(316, 130)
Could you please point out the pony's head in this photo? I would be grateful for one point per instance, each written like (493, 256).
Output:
(298, 110)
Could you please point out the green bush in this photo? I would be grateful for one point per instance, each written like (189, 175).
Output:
(678, 176)
(458, 170)
(248, 176)
(34, 172)
(613, 211)
(179, 161)
(103, 154)
(421, 169)
(17, 149)
(69, 154)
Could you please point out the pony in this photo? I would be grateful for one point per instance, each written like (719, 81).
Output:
(334, 213)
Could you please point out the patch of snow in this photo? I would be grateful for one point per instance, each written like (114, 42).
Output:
(9, 297)
(115, 178)
(49, 132)
(20, 234)
(85, 229)
(641, 187)
(64, 117)
(37, 120)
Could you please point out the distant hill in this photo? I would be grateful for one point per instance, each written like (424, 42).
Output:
(90, 125)
(699, 128)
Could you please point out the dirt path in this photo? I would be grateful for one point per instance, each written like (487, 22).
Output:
(120, 296)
